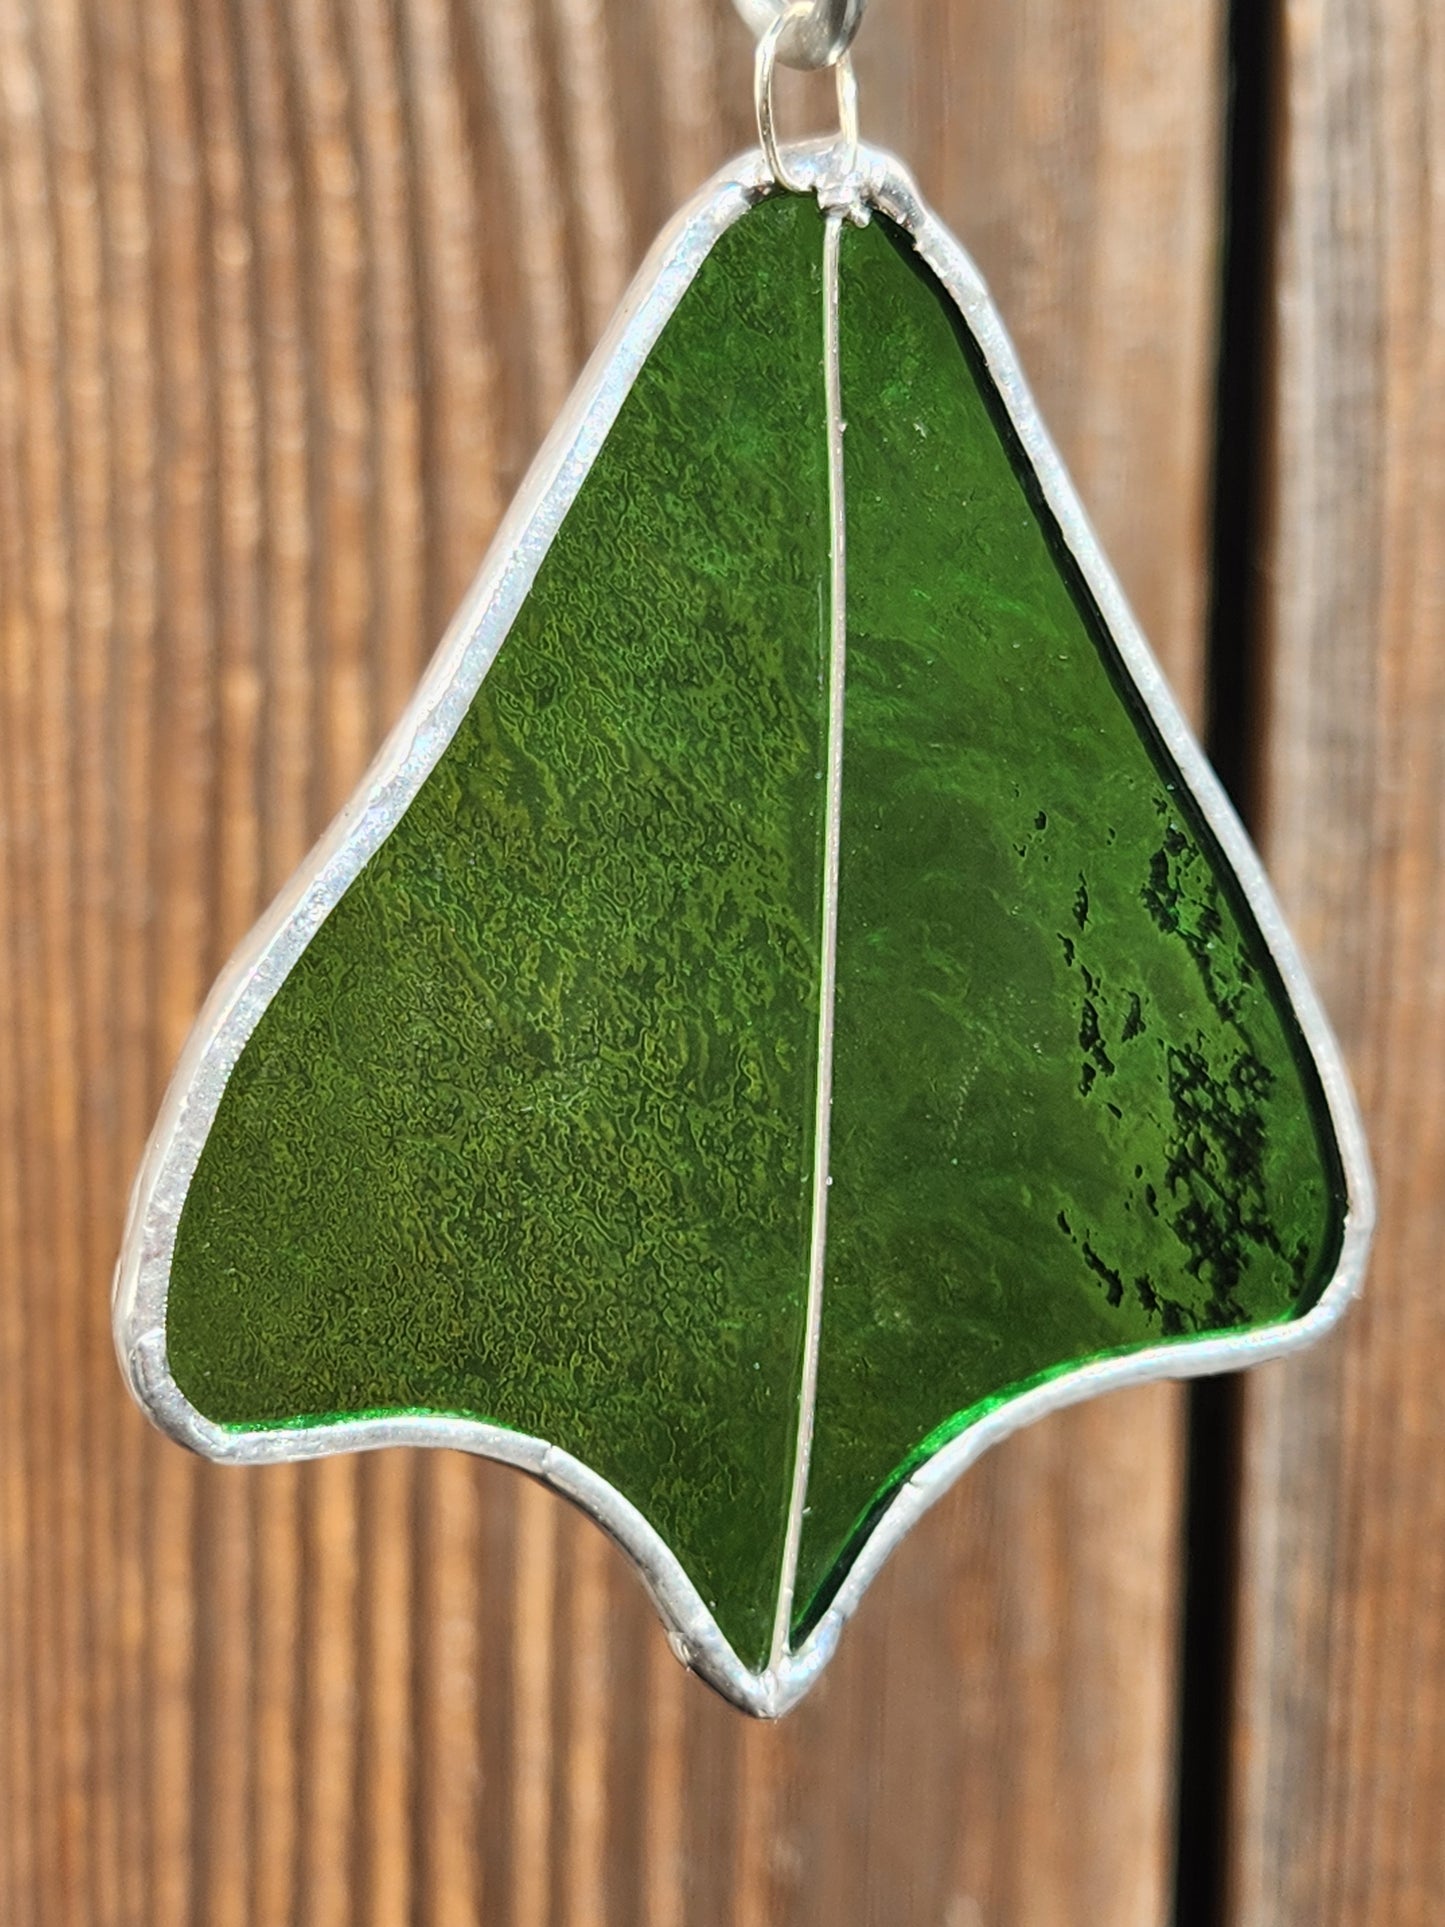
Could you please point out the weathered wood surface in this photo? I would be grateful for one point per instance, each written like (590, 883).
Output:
(1340, 1726)
(289, 291)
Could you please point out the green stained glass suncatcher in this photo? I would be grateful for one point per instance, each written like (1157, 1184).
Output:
(790, 1003)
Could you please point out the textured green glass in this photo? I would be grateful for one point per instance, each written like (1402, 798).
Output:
(1072, 1112)
(526, 1134)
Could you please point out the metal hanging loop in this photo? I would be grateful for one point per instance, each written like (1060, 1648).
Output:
(765, 69)
(817, 34)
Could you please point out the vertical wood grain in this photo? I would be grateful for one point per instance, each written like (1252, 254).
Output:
(288, 295)
(1340, 1723)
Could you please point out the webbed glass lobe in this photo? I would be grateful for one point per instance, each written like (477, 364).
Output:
(523, 1132)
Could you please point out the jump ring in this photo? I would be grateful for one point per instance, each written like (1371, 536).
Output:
(764, 71)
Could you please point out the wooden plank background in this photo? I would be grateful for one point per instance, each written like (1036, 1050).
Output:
(289, 291)
(1339, 1787)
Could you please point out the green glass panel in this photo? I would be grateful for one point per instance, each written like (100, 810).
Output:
(1072, 1114)
(526, 1134)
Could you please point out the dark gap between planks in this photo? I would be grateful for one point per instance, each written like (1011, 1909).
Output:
(1212, 1498)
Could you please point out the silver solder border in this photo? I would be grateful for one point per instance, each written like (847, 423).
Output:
(466, 653)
